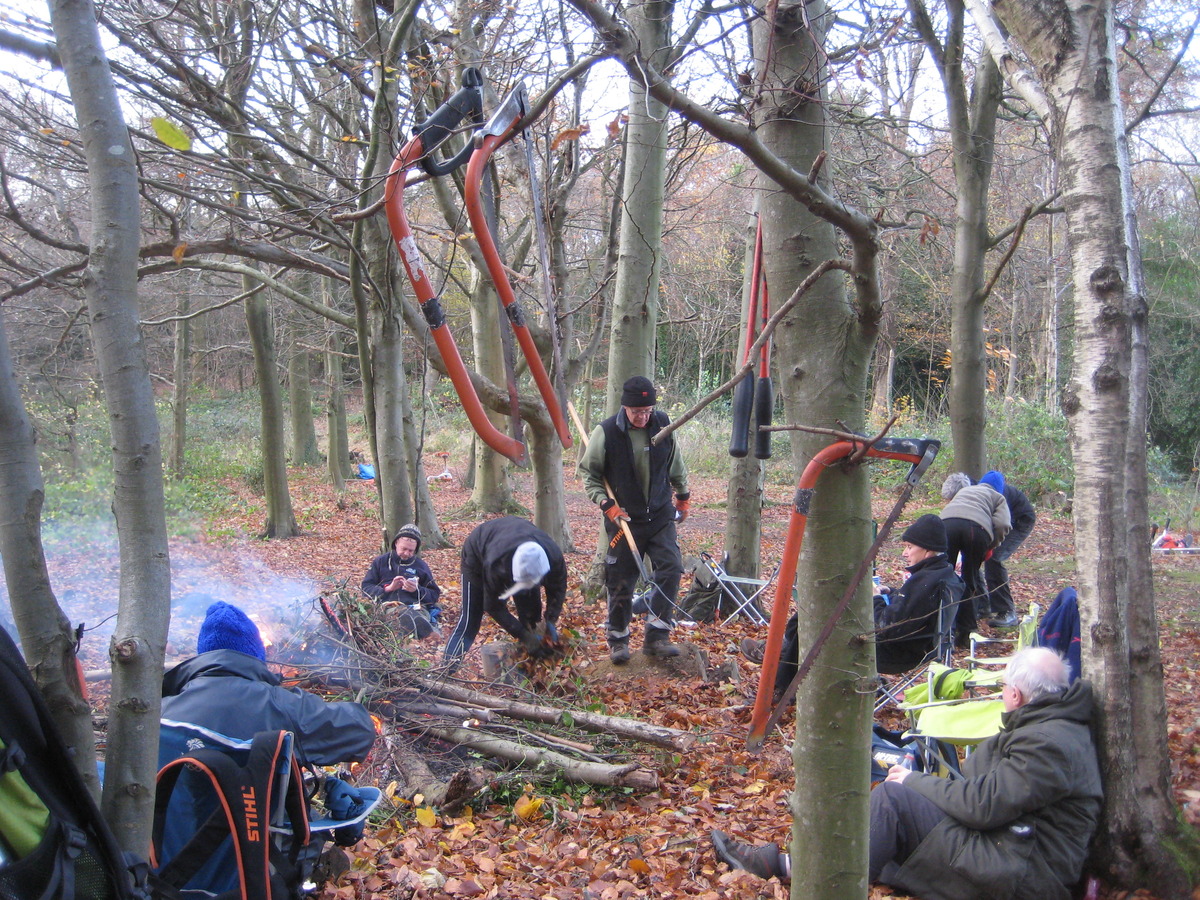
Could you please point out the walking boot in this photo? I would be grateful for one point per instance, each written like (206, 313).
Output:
(658, 644)
(618, 652)
(765, 861)
(753, 650)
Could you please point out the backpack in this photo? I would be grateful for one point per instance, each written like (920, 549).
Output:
(1060, 629)
(54, 844)
(230, 817)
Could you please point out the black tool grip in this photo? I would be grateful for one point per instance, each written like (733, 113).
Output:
(465, 105)
(764, 406)
(743, 405)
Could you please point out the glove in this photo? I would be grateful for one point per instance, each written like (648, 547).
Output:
(344, 802)
(613, 511)
(435, 613)
(682, 507)
(532, 642)
(551, 633)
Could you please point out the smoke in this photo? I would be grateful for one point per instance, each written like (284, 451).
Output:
(84, 566)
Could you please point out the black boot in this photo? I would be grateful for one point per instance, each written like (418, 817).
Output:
(658, 644)
(618, 652)
(765, 861)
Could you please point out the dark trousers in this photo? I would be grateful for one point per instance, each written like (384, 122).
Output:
(475, 603)
(996, 575)
(900, 820)
(661, 547)
(970, 541)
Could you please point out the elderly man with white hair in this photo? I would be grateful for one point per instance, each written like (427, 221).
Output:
(1017, 824)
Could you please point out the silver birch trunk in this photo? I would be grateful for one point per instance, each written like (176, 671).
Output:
(143, 608)
(47, 639)
(1072, 46)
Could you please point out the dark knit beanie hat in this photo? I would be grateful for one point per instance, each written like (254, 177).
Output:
(928, 532)
(409, 531)
(638, 392)
(228, 628)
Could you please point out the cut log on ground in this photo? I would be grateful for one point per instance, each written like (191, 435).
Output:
(630, 775)
(657, 735)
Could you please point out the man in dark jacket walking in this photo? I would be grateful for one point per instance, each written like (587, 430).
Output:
(402, 577)
(502, 558)
(1017, 824)
(1004, 612)
(621, 456)
(227, 688)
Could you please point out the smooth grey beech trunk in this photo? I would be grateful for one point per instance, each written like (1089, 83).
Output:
(1071, 45)
(304, 431)
(47, 639)
(822, 354)
(971, 110)
(338, 441)
(179, 391)
(144, 602)
(631, 349)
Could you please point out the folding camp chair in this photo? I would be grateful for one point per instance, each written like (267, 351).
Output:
(742, 592)
(891, 692)
(193, 848)
(1026, 637)
(963, 723)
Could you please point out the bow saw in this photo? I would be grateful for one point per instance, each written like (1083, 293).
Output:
(466, 106)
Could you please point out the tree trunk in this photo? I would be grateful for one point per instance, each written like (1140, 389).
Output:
(143, 608)
(179, 394)
(635, 301)
(822, 355)
(281, 521)
(392, 470)
(1072, 45)
(491, 492)
(337, 440)
(972, 131)
(744, 495)
(304, 432)
(47, 639)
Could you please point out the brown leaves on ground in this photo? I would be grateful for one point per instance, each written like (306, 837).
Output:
(609, 846)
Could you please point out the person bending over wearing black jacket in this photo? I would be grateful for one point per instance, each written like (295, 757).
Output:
(227, 688)
(503, 558)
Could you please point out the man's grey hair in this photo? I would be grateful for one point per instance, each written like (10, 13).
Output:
(955, 483)
(1037, 672)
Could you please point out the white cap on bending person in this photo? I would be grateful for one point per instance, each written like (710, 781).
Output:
(529, 566)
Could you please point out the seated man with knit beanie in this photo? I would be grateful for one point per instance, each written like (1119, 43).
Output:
(227, 688)
(905, 619)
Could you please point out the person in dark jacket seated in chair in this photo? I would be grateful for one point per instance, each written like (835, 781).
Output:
(227, 688)
(905, 619)
(1017, 823)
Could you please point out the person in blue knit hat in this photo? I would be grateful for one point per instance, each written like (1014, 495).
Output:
(1023, 515)
(228, 688)
(228, 628)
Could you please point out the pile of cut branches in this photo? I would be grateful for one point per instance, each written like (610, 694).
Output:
(444, 739)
